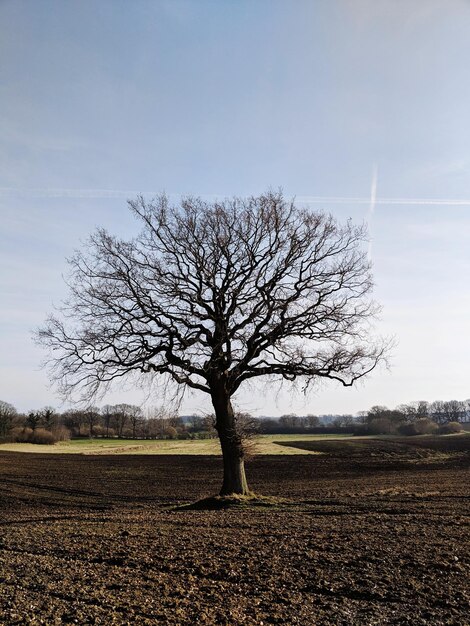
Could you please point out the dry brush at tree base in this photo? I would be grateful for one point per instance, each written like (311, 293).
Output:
(374, 534)
(211, 296)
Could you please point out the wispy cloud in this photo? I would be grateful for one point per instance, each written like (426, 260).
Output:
(16, 192)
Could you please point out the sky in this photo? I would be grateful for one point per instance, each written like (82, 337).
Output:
(356, 107)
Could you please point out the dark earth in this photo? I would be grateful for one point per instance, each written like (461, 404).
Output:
(369, 532)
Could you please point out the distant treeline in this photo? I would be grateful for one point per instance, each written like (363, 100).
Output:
(124, 421)
(407, 419)
(128, 421)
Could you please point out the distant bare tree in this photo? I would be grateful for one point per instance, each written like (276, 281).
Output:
(73, 420)
(455, 410)
(7, 413)
(377, 412)
(414, 410)
(34, 420)
(312, 421)
(195, 422)
(290, 420)
(408, 411)
(91, 417)
(422, 408)
(381, 420)
(212, 296)
(438, 412)
(448, 411)
(344, 421)
(120, 418)
(107, 414)
(135, 418)
(48, 417)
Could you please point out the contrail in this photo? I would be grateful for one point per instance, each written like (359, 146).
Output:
(373, 193)
(10, 192)
(390, 201)
(14, 192)
(373, 200)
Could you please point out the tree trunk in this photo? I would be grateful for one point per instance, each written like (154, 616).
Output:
(231, 444)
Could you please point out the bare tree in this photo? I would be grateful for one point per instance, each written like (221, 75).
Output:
(7, 413)
(414, 410)
(195, 422)
(448, 411)
(49, 417)
(135, 417)
(456, 410)
(312, 421)
(422, 408)
(34, 420)
(73, 420)
(120, 418)
(382, 420)
(91, 416)
(344, 421)
(158, 420)
(212, 296)
(439, 412)
(107, 413)
(290, 421)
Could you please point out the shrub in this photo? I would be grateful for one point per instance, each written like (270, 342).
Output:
(61, 433)
(204, 435)
(450, 428)
(20, 435)
(381, 426)
(422, 426)
(39, 436)
(103, 431)
(184, 435)
(42, 437)
(170, 432)
(99, 431)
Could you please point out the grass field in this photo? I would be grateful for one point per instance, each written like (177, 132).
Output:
(265, 444)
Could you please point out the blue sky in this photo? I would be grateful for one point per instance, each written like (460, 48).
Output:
(102, 100)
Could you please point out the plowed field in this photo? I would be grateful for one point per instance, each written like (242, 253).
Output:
(369, 532)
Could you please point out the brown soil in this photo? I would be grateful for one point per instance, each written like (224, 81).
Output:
(371, 532)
